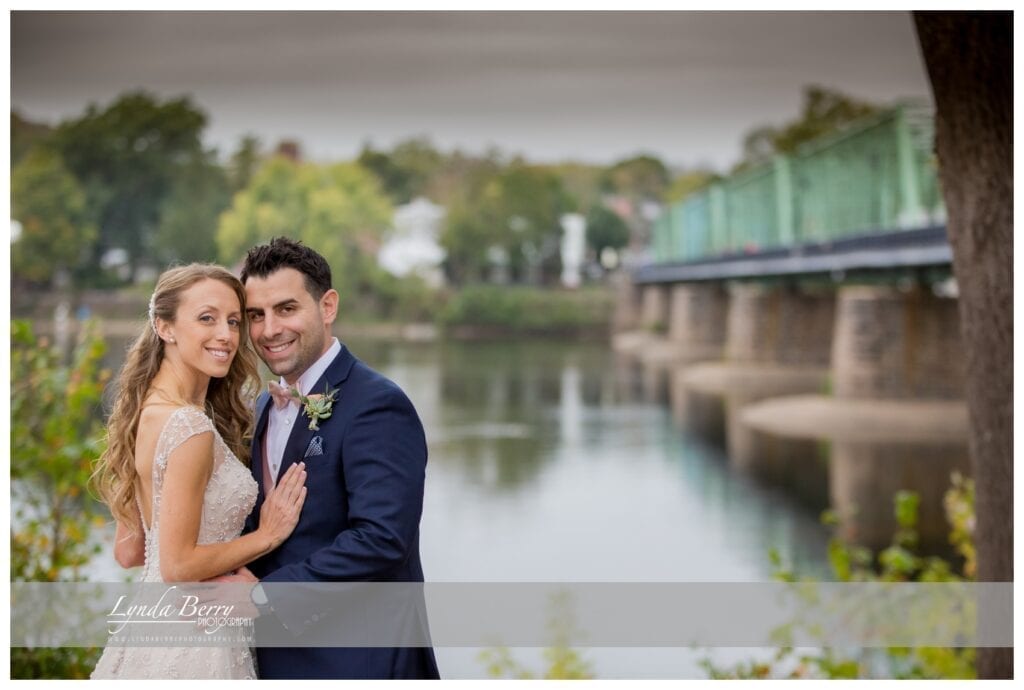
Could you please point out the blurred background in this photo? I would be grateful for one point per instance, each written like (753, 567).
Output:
(570, 238)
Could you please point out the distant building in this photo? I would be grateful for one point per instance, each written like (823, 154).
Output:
(289, 149)
(574, 247)
(413, 246)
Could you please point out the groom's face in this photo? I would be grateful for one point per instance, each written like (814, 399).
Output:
(289, 328)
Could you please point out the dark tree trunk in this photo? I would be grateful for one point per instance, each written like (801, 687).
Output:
(969, 60)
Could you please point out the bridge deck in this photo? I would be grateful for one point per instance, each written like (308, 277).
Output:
(923, 247)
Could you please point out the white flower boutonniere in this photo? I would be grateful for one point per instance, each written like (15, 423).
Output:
(317, 406)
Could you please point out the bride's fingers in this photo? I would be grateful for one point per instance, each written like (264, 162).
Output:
(299, 491)
(280, 492)
(295, 481)
(288, 486)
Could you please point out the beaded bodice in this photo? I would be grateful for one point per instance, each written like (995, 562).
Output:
(230, 494)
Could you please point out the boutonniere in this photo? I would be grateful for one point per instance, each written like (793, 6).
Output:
(316, 406)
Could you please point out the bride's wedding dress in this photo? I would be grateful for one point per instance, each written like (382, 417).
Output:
(229, 498)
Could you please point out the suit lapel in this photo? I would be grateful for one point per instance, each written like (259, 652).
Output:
(299, 439)
(256, 463)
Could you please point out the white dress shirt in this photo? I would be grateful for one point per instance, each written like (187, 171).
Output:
(283, 419)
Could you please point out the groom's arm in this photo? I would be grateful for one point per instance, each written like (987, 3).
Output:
(384, 455)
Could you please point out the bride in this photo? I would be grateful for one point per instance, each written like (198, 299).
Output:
(174, 472)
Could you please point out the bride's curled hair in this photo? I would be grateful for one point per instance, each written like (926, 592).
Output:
(228, 399)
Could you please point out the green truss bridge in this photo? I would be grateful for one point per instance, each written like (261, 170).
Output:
(801, 315)
(865, 199)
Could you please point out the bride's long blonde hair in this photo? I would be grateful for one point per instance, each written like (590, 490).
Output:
(228, 399)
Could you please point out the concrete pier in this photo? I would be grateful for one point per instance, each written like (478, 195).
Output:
(896, 420)
(778, 342)
(654, 308)
(893, 345)
(681, 326)
(842, 397)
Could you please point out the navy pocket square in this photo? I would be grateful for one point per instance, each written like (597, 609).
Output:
(316, 447)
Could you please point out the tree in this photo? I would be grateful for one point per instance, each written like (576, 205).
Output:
(455, 181)
(244, 163)
(640, 178)
(57, 232)
(516, 212)
(687, 183)
(969, 60)
(580, 181)
(405, 173)
(190, 212)
(339, 210)
(25, 134)
(824, 111)
(126, 157)
(56, 436)
(605, 229)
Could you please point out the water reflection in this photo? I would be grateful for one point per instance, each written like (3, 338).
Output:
(552, 462)
(549, 461)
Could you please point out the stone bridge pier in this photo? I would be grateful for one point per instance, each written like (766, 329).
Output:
(895, 420)
(778, 342)
(698, 314)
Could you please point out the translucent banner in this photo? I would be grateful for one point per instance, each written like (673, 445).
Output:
(460, 614)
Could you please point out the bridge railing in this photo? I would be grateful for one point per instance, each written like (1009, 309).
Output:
(874, 177)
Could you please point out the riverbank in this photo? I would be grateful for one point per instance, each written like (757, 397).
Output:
(477, 312)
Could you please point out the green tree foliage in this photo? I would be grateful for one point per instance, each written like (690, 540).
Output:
(244, 163)
(56, 436)
(460, 177)
(25, 134)
(191, 211)
(406, 171)
(56, 230)
(641, 178)
(562, 662)
(127, 157)
(899, 562)
(687, 183)
(605, 229)
(523, 310)
(339, 210)
(516, 211)
(581, 182)
(823, 111)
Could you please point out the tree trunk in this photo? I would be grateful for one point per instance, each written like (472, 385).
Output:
(969, 61)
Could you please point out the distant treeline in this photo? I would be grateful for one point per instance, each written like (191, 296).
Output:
(109, 198)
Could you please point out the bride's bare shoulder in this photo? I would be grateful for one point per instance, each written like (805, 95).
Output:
(155, 415)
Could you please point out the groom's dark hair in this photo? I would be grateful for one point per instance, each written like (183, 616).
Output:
(281, 252)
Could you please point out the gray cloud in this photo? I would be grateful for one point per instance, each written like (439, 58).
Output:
(592, 86)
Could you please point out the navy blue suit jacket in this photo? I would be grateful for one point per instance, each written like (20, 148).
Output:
(360, 522)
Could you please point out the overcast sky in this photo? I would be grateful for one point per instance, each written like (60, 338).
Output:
(586, 86)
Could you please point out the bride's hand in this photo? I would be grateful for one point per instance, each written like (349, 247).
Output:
(281, 509)
(243, 574)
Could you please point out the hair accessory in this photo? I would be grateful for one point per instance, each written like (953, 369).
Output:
(152, 313)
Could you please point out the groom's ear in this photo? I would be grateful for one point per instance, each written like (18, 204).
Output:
(329, 305)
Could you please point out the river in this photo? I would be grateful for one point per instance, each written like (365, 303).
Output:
(547, 464)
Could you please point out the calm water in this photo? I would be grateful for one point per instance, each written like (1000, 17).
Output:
(546, 464)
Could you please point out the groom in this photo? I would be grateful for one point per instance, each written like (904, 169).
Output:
(365, 463)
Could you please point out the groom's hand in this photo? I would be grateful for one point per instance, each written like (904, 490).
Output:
(234, 594)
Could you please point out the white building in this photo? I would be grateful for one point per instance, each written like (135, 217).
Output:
(413, 246)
